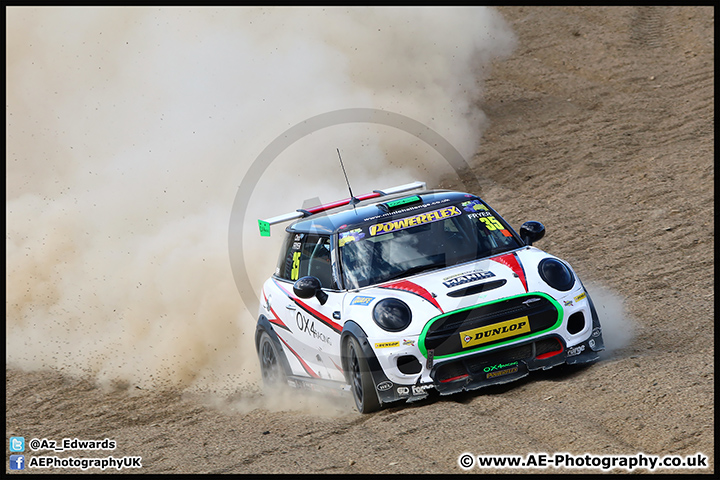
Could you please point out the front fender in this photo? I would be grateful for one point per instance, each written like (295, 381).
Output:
(350, 328)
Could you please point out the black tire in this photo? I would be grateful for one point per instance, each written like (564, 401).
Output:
(272, 371)
(361, 382)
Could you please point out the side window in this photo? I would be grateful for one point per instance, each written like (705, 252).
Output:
(319, 263)
(306, 254)
(284, 265)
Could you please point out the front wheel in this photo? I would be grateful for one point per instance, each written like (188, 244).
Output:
(361, 383)
(272, 372)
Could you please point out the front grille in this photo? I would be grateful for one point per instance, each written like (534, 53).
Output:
(444, 332)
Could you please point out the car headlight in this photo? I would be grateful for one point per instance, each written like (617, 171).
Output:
(556, 274)
(392, 314)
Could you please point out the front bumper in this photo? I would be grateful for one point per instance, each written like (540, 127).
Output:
(456, 373)
(495, 368)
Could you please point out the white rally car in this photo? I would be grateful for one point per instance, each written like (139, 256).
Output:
(392, 294)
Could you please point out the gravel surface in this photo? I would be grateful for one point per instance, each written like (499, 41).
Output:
(601, 126)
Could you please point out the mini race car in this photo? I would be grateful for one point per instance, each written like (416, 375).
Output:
(391, 295)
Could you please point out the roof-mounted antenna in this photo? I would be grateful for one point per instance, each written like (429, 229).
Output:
(353, 200)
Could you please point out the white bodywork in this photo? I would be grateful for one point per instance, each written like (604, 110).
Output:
(312, 335)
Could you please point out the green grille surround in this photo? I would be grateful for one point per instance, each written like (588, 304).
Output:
(546, 316)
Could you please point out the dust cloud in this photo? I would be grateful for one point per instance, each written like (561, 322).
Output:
(129, 130)
(618, 327)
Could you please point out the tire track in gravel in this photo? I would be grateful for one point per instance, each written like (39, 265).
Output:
(648, 26)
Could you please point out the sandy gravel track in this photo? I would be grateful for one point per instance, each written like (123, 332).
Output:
(602, 127)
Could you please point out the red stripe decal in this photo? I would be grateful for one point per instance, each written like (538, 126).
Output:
(452, 379)
(411, 287)
(279, 323)
(340, 203)
(335, 326)
(336, 365)
(276, 320)
(304, 365)
(511, 261)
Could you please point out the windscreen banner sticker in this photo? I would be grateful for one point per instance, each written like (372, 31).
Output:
(408, 209)
(415, 220)
(494, 332)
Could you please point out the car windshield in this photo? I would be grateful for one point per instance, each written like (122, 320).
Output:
(400, 246)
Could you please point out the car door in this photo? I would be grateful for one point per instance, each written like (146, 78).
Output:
(314, 325)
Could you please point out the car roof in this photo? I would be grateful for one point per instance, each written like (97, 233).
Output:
(367, 210)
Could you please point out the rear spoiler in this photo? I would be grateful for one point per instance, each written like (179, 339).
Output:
(301, 213)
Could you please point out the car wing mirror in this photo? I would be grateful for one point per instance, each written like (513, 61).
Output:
(308, 287)
(532, 231)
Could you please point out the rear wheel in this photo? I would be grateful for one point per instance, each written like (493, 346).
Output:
(272, 372)
(361, 383)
